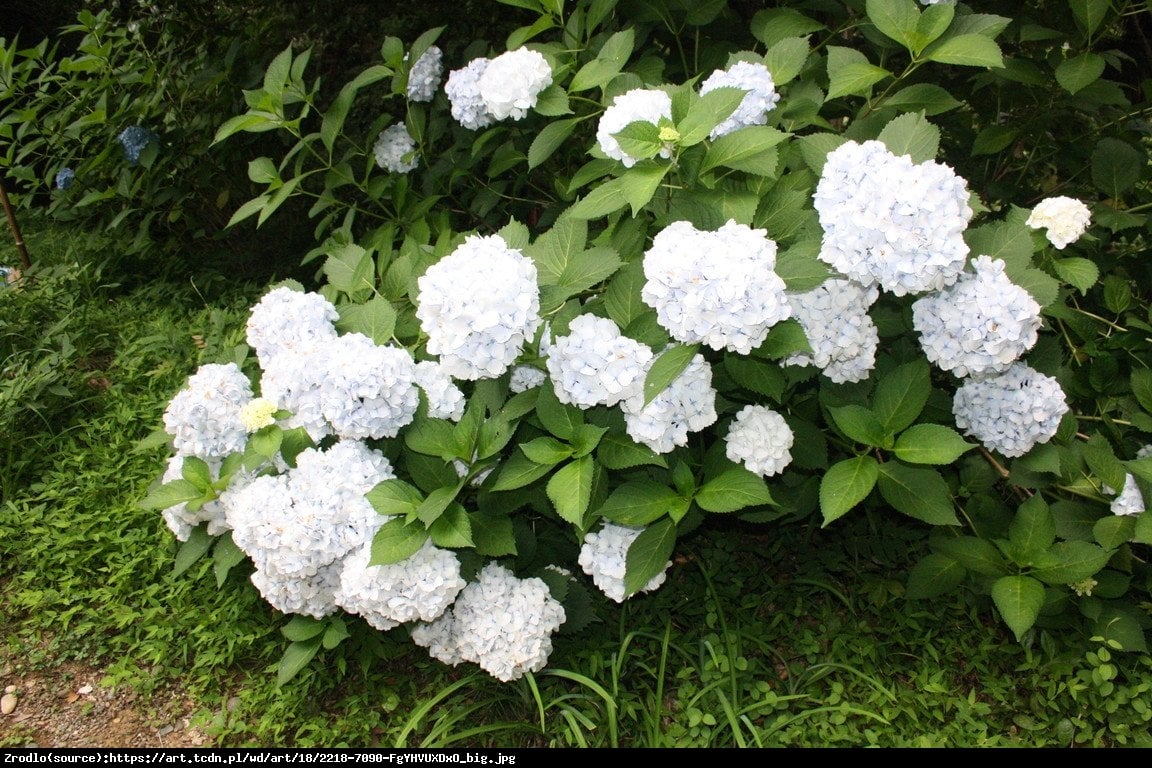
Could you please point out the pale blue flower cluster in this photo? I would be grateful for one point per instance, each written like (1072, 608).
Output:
(134, 139)
(1129, 501)
(717, 288)
(424, 77)
(395, 150)
(463, 90)
(445, 400)
(511, 83)
(637, 105)
(204, 417)
(596, 365)
(1010, 412)
(419, 588)
(64, 178)
(761, 98)
(841, 333)
(603, 556)
(760, 439)
(291, 323)
(687, 405)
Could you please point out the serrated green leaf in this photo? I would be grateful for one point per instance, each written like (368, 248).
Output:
(1115, 624)
(814, 148)
(785, 59)
(934, 21)
(518, 472)
(191, 550)
(1141, 382)
(622, 296)
(601, 201)
(918, 492)
(432, 437)
(1143, 530)
(911, 134)
(1008, 241)
(375, 318)
(436, 504)
(1097, 452)
(993, 139)
(570, 490)
(493, 534)
(733, 489)
(929, 98)
(558, 418)
(973, 553)
(546, 450)
(859, 424)
(608, 62)
(930, 444)
(1080, 273)
(394, 498)
(296, 657)
(1033, 529)
(772, 25)
(933, 576)
(225, 556)
(639, 503)
(622, 452)
(301, 628)
(552, 102)
(846, 484)
(966, 50)
(1114, 531)
(453, 529)
(1116, 166)
(1090, 13)
(901, 395)
(648, 555)
(1044, 288)
(1019, 600)
(1070, 561)
(639, 183)
(897, 19)
(734, 149)
(850, 73)
(336, 633)
(1077, 73)
(397, 541)
(550, 138)
(706, 112)
(170, 494)
(757, 376)
(666, 368)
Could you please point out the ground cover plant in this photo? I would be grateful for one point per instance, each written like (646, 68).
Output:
(815, 271)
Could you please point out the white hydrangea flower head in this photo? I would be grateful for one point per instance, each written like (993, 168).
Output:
(525, 377)
(761, 440)
(417, 589)
(463, 90)
(687, 405)
(512, 81)
(639, 104)
(1144, 452)
(181, 520)
(296, 524)
(758, 102)
(290, 322)
(500, 622)
(1010, 412)
(1064, 218)
(595, 364)
(296, 382)
(204, 417)
(395, 150)
(367, 390)
(603, 556)
(1129, 501)
(478, 334)
(424, 76)
(980, 324)
(717, 288)
(312, 595)
(835, 319)
(445, 400)
(889, 221)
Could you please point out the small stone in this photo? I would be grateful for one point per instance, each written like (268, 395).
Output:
(10, 689)
(165, 730)
(84, 690)
(7, 704)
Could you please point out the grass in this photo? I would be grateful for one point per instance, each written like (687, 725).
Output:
(761, 637)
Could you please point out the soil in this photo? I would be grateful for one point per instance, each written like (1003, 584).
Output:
(68, 707)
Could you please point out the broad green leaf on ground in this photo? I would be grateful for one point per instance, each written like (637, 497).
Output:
(1019, 600)
(933, 576)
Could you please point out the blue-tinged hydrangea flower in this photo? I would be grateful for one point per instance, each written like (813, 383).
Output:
(424, 77)
(134, 139)
(687, 405)
(296, 383)
(1129, 501)
(204, 417)
(463, 91)
(889, 221)
(603, 556)
(760, 439)
(525, 377)
(835, 319)
(288, 322)
(512, 81)
(500, 622)
(299, 526)
(981, 324)
(639, 104)
(395, 150)
(1064, 218)
(596, 365)
(478, 305)
(445, 400)
(1010, 412)
(718, 288)
(64, 178)
(758, 102)
(179, 518)
(420, 588)
(367, 390)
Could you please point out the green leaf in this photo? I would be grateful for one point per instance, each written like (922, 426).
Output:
(1077, 73)
(191, 550)
(901, 395)
(1033, 529)
(1044, 288)
(432, 437)
(493, 534)
(263, 171)
(910, 134)
(666, 368)
(928, 98)
(546, 450)
(552, 102)
(845, 485)
(639, 183)
(601, 201)
(930, 444)
(706, 112)
(975, 554)
(394, 498)
(570, 489)
(622, 452)
(607, 64)
(1019, 600)
(850, 73)
(350, 269)
(757, 376)
(225, 556)
(966, 50)
(772, 25)
(375, 318)
(733, 489)
(993, 139)
(1115, 624)
(933, 576)
(640, 139)
(396, 541)
(1080, 273)
(897, 19)
(296, 657)
(1141, 383)
(559, 419)
(734, 150)
(550, 138)
(785, 59)
(1090, 13)
(918, 492)
(336, 633)
(801, 268)
(1143, 531)
(622, 296)
(170, 494)
(860, 425)
(1010, 241)
(1097, 452)
(933, 22)
(301, 628)
(277, 72)
(1070, 561)
(436, 504)
(586, 438)
(453, 529)
(640, 503)
(1115, 530)
(556, 248)
(518, 472)
(814, 148)
(648, 555)
(1116, 166)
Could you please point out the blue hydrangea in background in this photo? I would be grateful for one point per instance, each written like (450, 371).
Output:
(134, 138)
(65, 178)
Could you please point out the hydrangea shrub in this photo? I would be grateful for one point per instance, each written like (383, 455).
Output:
(605, 294)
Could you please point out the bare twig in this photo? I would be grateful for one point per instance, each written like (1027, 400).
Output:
(25, 262)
